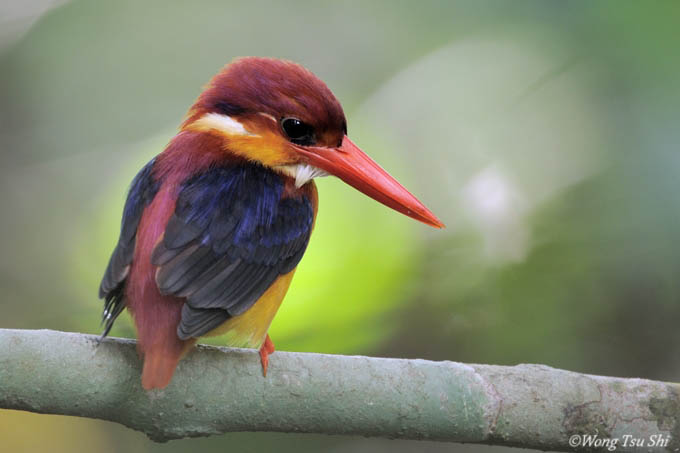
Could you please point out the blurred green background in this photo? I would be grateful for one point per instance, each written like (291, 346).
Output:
(543, 133)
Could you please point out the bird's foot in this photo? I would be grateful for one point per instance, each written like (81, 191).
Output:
(266, 349)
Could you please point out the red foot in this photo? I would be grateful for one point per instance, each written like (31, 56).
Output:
(266, 349)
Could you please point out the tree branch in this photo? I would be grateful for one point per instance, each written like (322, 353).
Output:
(218, 390)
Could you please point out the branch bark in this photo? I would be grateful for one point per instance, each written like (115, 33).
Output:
(218, 390)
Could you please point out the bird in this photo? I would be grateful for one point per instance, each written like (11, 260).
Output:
(213, 227)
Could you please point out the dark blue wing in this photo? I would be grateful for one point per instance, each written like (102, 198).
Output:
(230, 237)
(142, 190)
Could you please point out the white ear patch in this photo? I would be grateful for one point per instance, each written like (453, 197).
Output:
(303, 173)
(222, 123)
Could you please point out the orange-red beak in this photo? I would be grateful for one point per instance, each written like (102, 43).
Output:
(353, 166)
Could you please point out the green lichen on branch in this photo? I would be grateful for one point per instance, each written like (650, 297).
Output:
(666, 409)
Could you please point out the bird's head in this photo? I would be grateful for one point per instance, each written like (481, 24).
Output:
(280, 115)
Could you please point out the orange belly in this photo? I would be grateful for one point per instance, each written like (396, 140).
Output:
(249, 329)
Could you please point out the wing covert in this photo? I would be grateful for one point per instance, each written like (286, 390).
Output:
(230, 237)
(142, 191)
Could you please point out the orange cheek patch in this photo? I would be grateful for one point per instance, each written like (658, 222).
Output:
(256, 139)
(266, 149)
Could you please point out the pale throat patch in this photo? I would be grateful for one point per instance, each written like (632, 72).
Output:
(303, 173)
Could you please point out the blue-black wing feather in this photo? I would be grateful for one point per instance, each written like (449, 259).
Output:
(112, 288)
(230, 237)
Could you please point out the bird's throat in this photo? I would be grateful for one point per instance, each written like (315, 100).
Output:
(302, 173)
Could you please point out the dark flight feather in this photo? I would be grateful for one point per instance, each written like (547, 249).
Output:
(231, 236)
(112, 289)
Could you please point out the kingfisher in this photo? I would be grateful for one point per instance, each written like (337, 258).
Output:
(215, 225)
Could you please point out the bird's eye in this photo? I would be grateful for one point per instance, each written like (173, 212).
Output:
(297, 131)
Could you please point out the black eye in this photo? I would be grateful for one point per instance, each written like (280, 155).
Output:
(297, 131)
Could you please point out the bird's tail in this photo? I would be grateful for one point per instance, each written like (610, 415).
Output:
(160, 361)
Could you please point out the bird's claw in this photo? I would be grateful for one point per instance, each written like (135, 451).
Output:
(266, 349)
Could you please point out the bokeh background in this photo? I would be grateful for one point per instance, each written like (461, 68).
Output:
(543, 133)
